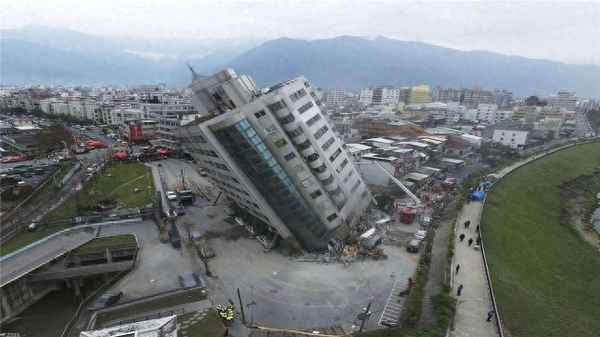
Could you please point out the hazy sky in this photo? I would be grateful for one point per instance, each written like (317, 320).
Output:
(560, 30)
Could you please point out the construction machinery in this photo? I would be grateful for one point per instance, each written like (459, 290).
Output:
(408, 211)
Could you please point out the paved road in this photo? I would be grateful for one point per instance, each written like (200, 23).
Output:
(16, 265)
(474, 302)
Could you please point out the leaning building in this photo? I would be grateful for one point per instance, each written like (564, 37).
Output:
(274, 154)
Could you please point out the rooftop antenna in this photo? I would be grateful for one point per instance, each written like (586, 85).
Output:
(194, 74)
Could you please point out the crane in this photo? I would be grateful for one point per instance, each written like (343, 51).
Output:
(401, 185)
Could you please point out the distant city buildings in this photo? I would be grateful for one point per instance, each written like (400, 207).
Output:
(419, 95)
(337, 97)
(564, 99)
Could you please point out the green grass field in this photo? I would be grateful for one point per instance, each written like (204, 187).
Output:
(118, 183)
(121, 241)
(546, 278)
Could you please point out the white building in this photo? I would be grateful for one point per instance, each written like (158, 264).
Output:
(366, 96)
(380, 96)
(486, 112)
(160, 327)
(79, 108)
(516, 139)
(274, 154)
(564, 99)
(386, 96)
(337, 97)
(455, 112)
(121, 116)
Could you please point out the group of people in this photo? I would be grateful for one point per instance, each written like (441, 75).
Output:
(461, 237)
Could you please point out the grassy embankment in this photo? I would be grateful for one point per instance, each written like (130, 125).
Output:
(546, 278)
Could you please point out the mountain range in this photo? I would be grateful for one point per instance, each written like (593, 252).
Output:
(36, 55)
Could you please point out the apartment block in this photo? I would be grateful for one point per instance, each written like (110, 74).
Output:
(275, 155)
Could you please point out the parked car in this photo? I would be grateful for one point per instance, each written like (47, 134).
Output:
(191, 280)
(420, 235)
(171, 195)
(413, 246)
(106, 300)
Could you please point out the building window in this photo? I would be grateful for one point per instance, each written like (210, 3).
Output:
(259, 114)
(343, 164)
(312, 157)
(350, 174)
(287, 119)
(297, 95)
(297, 132)
(290, 156)
(280, 142)
(332, 217)
(313, 119)
(328, 143)
(316, 194)
(329, 180)
(305, 107)
(321, 131)
(304, 145)
(274, 107)
(321, 168)
(335, 155)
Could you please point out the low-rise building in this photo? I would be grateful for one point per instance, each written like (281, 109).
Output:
(516, 139)
(159, 327)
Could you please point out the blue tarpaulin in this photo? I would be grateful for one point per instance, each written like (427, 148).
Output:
(478, 196)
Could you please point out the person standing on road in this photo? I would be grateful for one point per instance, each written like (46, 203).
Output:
(461, 237)
(490, 315)
(470, 241)
(457, 268)
(459, 290)
(467, 224)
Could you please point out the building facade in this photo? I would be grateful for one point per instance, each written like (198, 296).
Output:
(420, 94)
(337, 97)
(517, 139)
(276, 156)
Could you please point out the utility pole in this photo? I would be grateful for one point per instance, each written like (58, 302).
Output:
(364, 317)
(241, 307)
(182, 180)
(217, 199)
